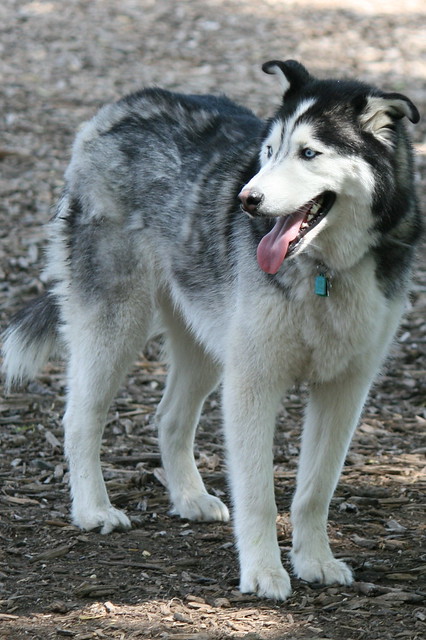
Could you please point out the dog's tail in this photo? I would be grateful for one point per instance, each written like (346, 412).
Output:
(32, 337)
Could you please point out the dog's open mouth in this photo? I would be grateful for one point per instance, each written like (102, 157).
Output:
(289, 230)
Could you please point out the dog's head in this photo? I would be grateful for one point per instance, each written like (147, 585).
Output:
(327, 161)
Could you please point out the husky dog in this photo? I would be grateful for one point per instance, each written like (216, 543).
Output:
(268, 253)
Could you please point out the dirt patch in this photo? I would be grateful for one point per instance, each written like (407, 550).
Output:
(168, 578)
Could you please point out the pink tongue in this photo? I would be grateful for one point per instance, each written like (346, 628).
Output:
(273, 247)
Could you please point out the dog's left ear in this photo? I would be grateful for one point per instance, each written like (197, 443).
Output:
(379, 113)
(291, 73)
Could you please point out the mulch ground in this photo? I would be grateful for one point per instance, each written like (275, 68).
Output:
(168, 578)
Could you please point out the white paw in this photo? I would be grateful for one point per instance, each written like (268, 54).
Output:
(267, 583)
(326, 571)
(203, 507)
(107, 519)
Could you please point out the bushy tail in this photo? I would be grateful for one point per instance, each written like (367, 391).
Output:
(30, 340)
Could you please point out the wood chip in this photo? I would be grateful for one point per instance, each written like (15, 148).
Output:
(94, 590)
(180, 617)
(17, 500)
(52, 553)
(52, 440)
(65, 633)
(159, 473)
(398, 597)
(364, 542)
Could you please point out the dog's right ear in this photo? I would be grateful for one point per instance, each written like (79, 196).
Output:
(291, 73)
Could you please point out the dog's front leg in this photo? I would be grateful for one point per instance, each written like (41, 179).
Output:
(332, 415)
(250, 407)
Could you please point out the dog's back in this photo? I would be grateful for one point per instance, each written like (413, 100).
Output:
(154, 165)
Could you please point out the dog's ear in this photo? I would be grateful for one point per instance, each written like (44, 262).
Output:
(291, 73)
(379, 112)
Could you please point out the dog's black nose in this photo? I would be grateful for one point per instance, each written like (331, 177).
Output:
(251, 200)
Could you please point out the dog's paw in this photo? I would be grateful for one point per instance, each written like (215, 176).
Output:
(267, 583)
(324, 571)
(106, 519)
(204, 507)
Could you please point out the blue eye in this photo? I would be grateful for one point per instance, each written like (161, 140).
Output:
(308, 153)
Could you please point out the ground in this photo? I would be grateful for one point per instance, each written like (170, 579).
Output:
(169, 578)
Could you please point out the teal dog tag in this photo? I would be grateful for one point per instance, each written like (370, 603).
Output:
(321, 285)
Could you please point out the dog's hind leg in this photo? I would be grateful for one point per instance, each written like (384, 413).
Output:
(103, 342)
(332, 415)
(192, 376)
